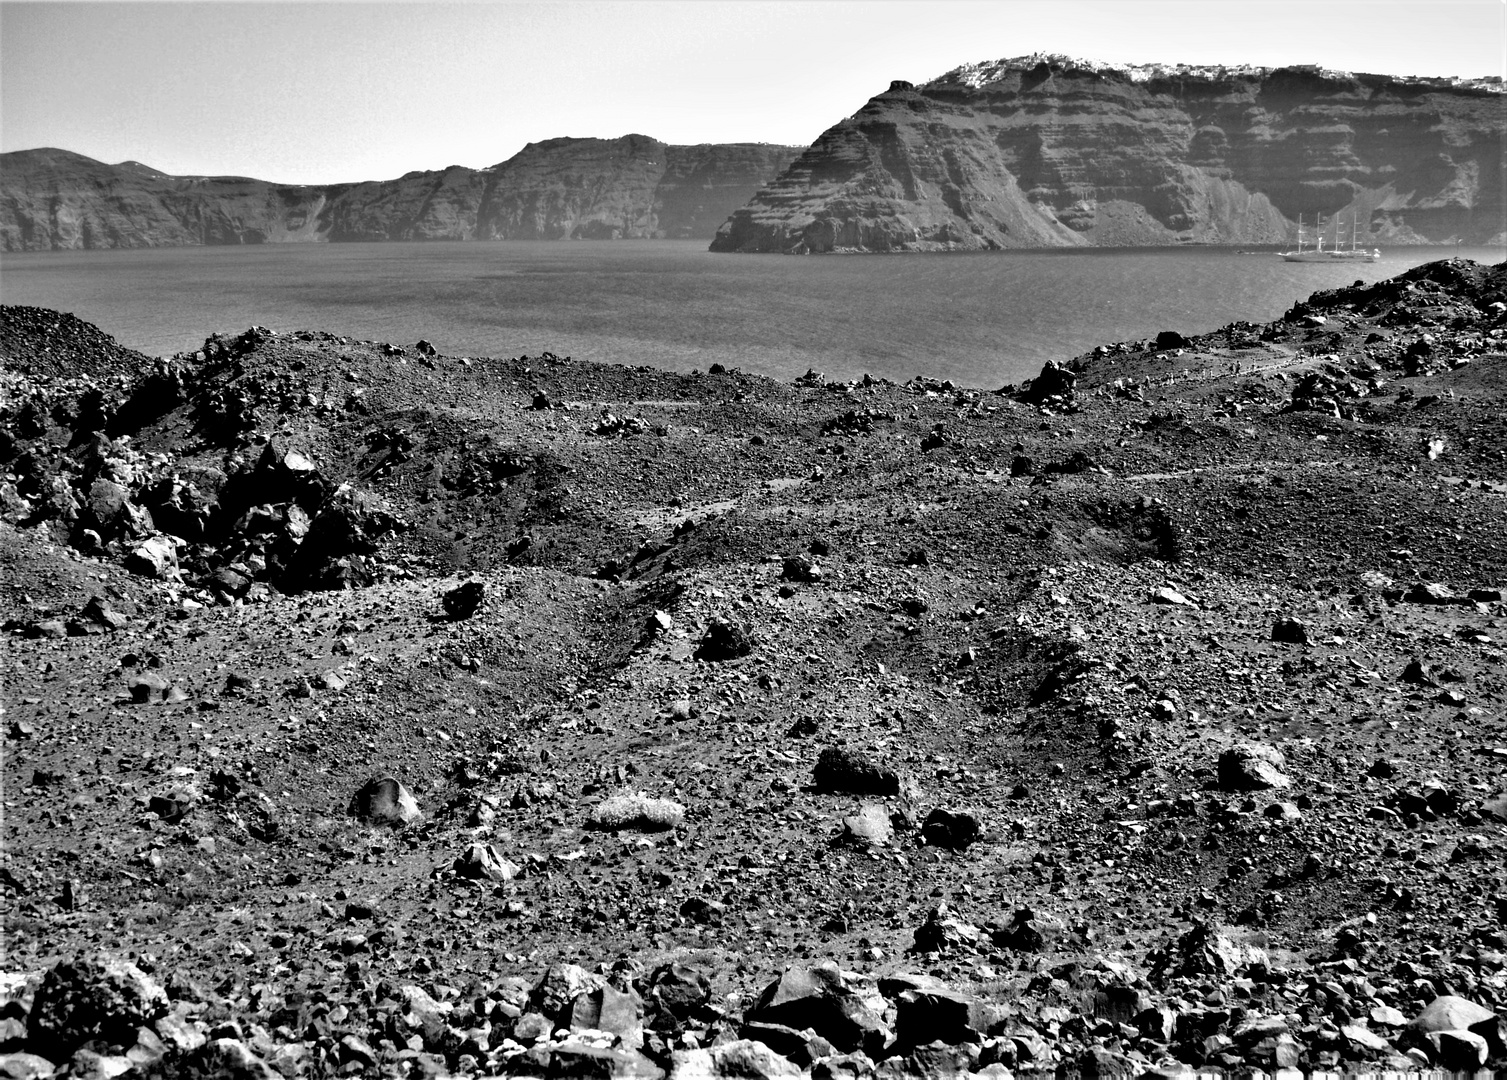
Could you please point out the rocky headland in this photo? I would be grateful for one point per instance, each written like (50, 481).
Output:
(1044, 151)
(632, 187)
(373, 711)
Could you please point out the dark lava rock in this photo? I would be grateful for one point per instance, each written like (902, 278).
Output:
(1171, 339)
(92, 998)
(464, 600)
(676, 993)
(942, 931)
(950, 829)
(724, 640)
(840, 1007)
(1290, 631)
(933, 1015)
(800, 568)
(1053, 386)
(839, 770)
(1027, 931)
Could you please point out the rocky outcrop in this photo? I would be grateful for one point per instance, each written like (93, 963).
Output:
(1043, 151)
(562, 188)
(620, 188)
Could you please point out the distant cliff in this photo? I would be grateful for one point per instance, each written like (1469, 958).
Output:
(559, 189)
(1044, 151)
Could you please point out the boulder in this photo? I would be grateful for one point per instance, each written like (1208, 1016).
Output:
(484, 861)
(1207, 950)
(943, 931)
(385, 801)
(841, 1007)
(676, 993)
(953, 829)
(1028, 931)
(559, 987)
(154, 557)
(608, 1009)
(1249, 766)
(926, 1016)
(23, 1066)
(1169, 596)
(1435, 594)
(147, 687)
(741, 1058)
(844, 771)
(1452, 1013)
(723, 641)
(1290, 631)
(464, 600)
(871, 825)
(1055, 383)
(94, 998)
(585, 1060)
(109, 511)
(800, 568)
(1457, 1051)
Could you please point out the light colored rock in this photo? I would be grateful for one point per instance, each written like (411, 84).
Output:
(1451, 1013)
(155, 557)
(741, 1058)
(385, 801)
(1458, 1051)
(24, 1066)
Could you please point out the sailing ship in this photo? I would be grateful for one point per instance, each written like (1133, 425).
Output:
(1338, 252)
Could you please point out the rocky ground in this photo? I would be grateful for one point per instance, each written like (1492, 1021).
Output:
(374, 711)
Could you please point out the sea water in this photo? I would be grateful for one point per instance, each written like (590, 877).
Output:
(979, 319)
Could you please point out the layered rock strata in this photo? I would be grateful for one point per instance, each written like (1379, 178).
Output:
(1043, 151)
(630, 187)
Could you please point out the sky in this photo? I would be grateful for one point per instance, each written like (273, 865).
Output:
(300, 92)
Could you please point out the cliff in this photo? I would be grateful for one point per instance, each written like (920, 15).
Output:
(1044, 151)
(562, 188)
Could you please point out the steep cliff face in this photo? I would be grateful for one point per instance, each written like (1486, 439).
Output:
(1045, 151)
(583, 188)
(629, 187)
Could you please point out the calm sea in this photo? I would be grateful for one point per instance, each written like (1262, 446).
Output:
(979, 319)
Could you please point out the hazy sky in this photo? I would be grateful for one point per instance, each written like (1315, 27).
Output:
(312, 93)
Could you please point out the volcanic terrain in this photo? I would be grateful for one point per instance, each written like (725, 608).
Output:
(371, 711)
